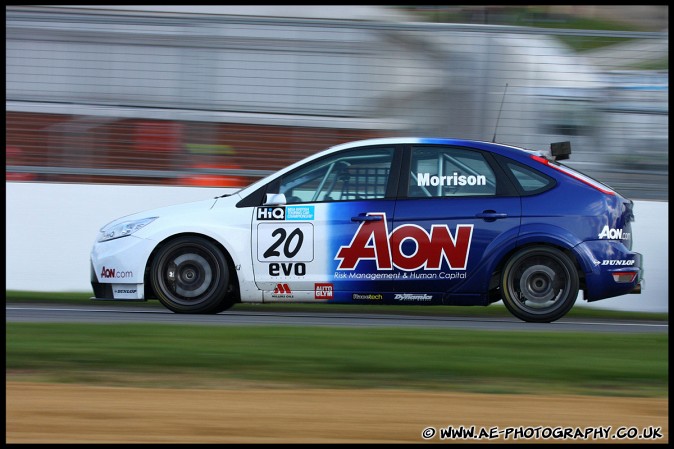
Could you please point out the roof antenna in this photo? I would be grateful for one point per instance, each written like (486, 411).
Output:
(499, 112)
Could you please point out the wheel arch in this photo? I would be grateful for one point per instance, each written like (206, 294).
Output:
(540, 282)
(234, 278)
(494, 281)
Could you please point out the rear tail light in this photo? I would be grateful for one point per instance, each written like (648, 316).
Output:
(624, 277)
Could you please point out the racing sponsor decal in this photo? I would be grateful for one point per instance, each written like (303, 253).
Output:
(282, 291)
(402, 276)
(412, 297)
(303, 213)
(285, 242)
(271, 213)
(613, 234)
(622, 263)
(372, 241)
(287, 269)
(428, 180)
(291, 213)
(367, 297)
(323, 291)
(126, 291)
(113, 273)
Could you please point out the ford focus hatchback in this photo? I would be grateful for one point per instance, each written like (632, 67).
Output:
(385, 221)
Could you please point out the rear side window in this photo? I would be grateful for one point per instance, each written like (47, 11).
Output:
(449, 172)
(529, 180)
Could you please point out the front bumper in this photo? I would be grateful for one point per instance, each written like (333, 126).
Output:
(118, 268)
(117, 292)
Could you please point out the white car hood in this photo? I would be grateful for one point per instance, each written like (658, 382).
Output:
(169, 211)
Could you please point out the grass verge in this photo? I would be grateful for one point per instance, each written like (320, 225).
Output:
(435, 359)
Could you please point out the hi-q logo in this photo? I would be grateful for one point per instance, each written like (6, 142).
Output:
(271, 213)
(372, 241)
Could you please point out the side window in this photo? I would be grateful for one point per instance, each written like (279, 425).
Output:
(350, 175)
(530, 181)
(449, 172)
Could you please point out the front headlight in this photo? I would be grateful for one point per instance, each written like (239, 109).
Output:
(123, 229)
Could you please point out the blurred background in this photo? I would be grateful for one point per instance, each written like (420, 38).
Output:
(224, 95)
(115, 109)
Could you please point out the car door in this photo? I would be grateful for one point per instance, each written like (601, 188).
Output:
(457, 214)
(297, 241)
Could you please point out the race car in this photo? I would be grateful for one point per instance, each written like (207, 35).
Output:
(385, 221)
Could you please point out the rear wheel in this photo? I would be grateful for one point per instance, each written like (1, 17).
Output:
(539, 284)
(191, 275)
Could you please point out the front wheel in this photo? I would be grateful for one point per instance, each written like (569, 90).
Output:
(539, 284)
(191, 275)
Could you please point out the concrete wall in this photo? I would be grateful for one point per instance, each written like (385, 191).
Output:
(51, 228)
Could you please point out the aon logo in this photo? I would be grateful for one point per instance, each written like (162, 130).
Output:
(372, 241)
(613, 234)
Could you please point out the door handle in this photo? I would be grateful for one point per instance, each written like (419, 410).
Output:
(367, 218)
(491, 215)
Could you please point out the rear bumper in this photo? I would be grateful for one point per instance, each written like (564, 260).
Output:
(610, 269)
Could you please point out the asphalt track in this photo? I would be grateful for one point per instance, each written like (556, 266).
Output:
(124, 314)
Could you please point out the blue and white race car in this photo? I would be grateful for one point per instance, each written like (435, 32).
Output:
(385, 221)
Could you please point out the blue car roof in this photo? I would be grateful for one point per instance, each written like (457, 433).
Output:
(504, 149)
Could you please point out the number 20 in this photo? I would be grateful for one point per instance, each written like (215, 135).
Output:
(296, 238)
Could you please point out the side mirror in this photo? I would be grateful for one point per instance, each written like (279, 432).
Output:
(275, 199)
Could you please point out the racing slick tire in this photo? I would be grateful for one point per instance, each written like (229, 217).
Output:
(539, 284)
(191, 275)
